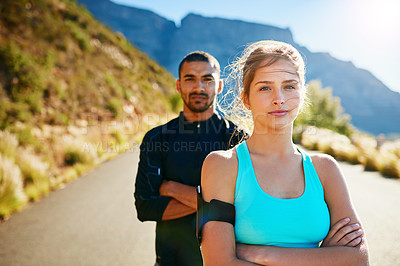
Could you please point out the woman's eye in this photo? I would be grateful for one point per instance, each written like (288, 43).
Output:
(264, 89)
(290, 87)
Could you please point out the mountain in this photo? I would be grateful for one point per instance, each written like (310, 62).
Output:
(374, 108)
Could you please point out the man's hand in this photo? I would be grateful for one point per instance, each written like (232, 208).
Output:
(184, 200)
(183, 193)
(343, 234)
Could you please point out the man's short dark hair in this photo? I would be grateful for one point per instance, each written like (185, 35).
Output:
(200, 56)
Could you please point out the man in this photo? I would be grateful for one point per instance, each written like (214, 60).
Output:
(171, 157)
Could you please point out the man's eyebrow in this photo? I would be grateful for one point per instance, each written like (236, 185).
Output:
(204, 76)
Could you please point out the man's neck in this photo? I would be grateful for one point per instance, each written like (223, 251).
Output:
(194, 116)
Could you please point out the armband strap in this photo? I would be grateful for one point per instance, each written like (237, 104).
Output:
(215, 210)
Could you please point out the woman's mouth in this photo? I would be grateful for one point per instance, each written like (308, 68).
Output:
(278, 112)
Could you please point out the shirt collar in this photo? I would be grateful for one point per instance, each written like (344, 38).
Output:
(193, 124)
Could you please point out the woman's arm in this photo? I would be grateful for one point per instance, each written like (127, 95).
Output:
(218, 180)
(339, 203)
(340, 206)
(341, 234)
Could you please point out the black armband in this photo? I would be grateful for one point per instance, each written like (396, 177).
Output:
(215, 210)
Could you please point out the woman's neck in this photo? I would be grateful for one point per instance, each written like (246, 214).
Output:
(278, 142)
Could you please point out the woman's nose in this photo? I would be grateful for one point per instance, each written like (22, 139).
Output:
(278, 100)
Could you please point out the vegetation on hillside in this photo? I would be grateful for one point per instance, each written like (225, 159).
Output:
(322, 125)
(72, 94)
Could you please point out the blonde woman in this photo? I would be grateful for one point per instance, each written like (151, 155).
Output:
(291, 208)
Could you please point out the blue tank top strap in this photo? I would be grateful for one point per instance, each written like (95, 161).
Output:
(310, 174)
(243, 165)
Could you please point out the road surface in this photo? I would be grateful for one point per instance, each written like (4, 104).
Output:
(92, 221)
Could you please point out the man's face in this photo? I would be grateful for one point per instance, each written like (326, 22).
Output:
(198, 85)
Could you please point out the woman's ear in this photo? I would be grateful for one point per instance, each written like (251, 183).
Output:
(245, 100)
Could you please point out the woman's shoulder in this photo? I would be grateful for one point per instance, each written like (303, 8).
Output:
(321, 160)
(326, 166)
(218, 175)
(222, 156)
(222, 161)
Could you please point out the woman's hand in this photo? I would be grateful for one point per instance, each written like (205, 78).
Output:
(343, 234)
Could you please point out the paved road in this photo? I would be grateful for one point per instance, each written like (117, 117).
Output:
(92, 221)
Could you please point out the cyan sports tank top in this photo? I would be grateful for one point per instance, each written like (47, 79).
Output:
(262, 219)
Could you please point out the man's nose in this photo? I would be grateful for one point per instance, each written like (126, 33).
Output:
(199, 85)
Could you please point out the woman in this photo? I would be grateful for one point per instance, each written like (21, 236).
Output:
(286, 202)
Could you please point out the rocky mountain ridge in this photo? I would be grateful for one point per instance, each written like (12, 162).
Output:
(374, 108)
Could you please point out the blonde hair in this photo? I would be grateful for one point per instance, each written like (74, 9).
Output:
(242, 70)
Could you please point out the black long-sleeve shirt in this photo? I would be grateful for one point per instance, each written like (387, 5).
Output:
(176, 151)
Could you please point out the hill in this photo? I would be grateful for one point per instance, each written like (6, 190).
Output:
(72, 94)
(374, 108)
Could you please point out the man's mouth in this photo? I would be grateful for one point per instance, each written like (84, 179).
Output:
(198, 97)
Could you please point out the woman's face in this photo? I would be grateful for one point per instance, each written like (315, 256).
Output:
(274, 96)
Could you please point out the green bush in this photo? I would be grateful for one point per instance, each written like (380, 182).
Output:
(24, 74)
(25, 137)
(78, 152)
(117, 90)
(118, 136)
(80, 36)
(175, 101)
(114, 105)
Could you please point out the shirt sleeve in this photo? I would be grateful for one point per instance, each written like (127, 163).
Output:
(150, 206)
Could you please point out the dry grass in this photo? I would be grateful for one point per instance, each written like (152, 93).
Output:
(65, 154)
(360, 148)
(35, 174)
(12, 197)
(8, 144)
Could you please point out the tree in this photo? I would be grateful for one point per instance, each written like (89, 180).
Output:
(324, 110)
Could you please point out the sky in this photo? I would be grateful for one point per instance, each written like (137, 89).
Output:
(366, 32)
